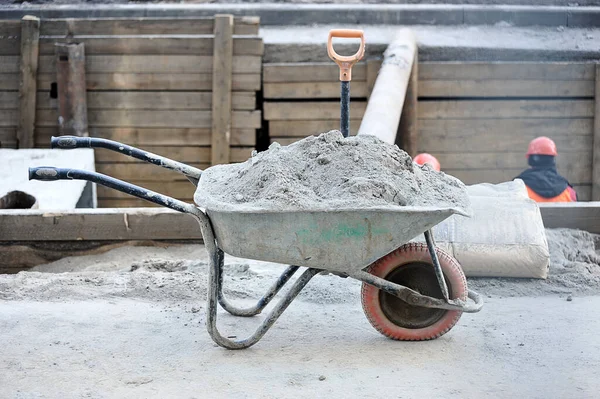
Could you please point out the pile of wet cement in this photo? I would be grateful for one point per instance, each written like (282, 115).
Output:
(180, 273)
(330, 172)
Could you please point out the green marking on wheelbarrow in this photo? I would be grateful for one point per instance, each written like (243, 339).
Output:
(339, 232)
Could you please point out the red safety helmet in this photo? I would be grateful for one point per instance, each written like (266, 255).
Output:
(424, 158)
(542, 146)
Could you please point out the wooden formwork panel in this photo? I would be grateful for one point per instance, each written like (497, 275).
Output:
(506, 71)
(140, 81)
(476, 117)
(143, 74)
(156, 100)
(150, 44)
(145, 118)
(173, 64)
(506, 109)
(329, 110)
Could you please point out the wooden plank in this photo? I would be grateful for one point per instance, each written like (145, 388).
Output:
(506, 71)
(146, 81)
(173, 64)
(143, 26)
(28, 66)
(143, 171)
(310, 72)
(151, 118)
(150, 44)
(10, 99)
(9, 117)
(10, 28)
(303, 128)
(175, 45)
(97, 224)
(505, 88)
(154, 136)
(573, 164)
(506, 109)
(572, 215)
(221, 90)
(9, 81)
(145, 100)
(502, 135)
(472, 176)
(188, 154)
(175, 189)
(72, 94)
(8, 137)
(312, 90)
(596, 140)
(311, 110)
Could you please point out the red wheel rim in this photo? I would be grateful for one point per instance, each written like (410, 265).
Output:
(411, 265)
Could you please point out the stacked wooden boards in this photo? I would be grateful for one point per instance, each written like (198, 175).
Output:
(303, 99)
(476, 118)
(150, 84)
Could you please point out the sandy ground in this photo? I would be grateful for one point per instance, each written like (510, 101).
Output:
(130, 323)
(516, 347)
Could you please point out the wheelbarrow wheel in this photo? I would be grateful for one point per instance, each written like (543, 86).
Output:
(412, 267)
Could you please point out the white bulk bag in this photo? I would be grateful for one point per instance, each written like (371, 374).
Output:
(505, 237)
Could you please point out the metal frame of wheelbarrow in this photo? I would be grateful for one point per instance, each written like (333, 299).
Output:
(216, 255)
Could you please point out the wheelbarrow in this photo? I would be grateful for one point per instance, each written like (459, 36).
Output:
(410, 291)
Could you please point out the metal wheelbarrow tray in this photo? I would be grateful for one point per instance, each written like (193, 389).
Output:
(410, 292)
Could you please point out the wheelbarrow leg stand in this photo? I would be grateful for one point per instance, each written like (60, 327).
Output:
(215, 279)
(262, 302)
(436, 264)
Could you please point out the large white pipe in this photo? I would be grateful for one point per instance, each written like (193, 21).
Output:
(385, 104)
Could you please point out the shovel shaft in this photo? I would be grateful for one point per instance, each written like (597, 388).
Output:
(345, 109)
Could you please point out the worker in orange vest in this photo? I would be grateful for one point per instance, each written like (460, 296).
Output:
(543, 182)
(424, 158)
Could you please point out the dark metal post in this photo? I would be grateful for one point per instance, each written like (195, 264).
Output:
(345, 108)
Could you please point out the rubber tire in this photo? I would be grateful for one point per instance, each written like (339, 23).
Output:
(409, 253)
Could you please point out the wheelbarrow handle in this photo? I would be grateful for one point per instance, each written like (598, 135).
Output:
(50, 173)
(346, 62)
(70, 142)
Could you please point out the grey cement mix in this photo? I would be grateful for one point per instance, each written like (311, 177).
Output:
(329, 172)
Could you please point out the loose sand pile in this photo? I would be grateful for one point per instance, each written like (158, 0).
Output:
(180, 272)
(330, 172)
(574, 268)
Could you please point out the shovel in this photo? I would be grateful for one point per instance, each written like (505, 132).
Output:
(345, 63)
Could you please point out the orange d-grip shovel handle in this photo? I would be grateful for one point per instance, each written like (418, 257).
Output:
(346, 62)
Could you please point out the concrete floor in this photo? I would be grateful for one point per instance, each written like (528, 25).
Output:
(542, 347)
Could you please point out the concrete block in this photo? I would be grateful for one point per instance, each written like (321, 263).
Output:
(584, 17)
(516, 16)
